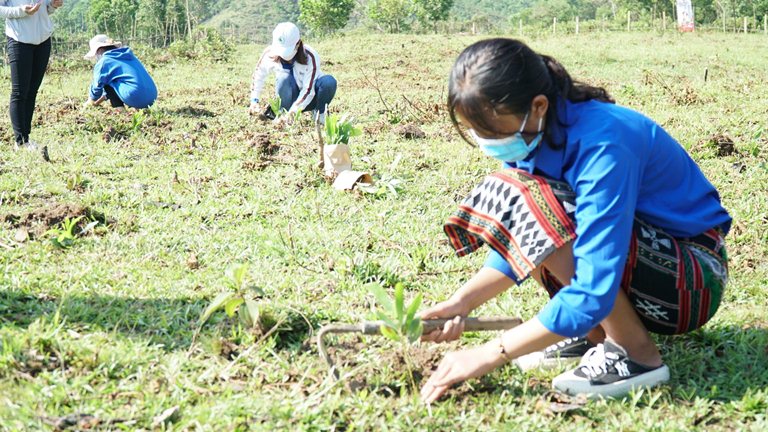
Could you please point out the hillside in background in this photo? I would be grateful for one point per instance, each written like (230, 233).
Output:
(253, 19)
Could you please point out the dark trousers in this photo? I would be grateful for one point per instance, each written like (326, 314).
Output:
(28, 65)
(113, 97)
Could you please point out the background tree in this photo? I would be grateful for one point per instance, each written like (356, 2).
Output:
(392, 15)
(430, 12)
(114, 17)
(325, 16)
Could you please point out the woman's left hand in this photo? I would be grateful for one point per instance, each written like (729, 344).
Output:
(57, 3)
(458, 366)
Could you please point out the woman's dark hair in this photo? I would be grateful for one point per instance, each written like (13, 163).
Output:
(502, 76)
(301, 54)
(104, 49)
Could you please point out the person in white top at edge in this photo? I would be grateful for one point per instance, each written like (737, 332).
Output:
(300, 83)
(28, 27)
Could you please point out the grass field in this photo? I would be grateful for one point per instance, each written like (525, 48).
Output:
(184, 192)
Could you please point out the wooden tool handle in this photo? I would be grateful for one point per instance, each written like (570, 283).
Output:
(470, 324)
(476, 324)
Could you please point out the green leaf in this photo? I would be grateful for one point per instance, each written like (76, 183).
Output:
(245, 317)
(231, 306)
(387, 320)
(415, 329)
(253, 311)
(215, 305)
(381, 297)
(236, 275)
(390, 334)
(258, 291)
(400, 303)
(413, 308)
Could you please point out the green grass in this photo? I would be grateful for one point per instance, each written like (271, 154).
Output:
(106, 327)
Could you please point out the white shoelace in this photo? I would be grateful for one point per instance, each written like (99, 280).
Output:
(596, 361)
(560, 344)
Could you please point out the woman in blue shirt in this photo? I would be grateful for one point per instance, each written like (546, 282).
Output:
(599, 204)
(118, 76)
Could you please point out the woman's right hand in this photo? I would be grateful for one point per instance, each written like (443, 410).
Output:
(451, 309)
(32, 9)
(255, 108)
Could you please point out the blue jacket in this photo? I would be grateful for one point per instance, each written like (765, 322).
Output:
(620, 164)
(121, 70)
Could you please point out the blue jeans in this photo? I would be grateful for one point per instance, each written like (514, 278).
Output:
(288, 90)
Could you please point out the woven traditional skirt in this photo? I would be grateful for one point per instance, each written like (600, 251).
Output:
(674, 284)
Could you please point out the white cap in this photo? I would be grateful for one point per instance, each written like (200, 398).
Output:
(284, 39)
(100, 41)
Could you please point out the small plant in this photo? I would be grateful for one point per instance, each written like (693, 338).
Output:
(76, 182)
(386, 185)
(339, 129)
(400, 322)
(64, 237)
(276, 106)
(239, 294)
(137, 120)
(297, 117)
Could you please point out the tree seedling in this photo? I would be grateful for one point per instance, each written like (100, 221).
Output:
(339, 129)
(239, 293)
(401, 322)
(276, 106)
(64, 237)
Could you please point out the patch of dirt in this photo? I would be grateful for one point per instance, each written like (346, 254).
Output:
(37, 222)
(251, 165)
(263, 145)
(410, 131)
(265, 149)
(34, 362)
(193, 111)
(555, 402)
(228, 350)
(723, 144)
(112, 134)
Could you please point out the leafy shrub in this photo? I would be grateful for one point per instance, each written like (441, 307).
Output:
(207, 44)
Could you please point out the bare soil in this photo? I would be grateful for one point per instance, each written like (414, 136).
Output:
(37, 222)
(410, 131)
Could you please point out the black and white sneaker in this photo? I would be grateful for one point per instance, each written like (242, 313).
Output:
(607, 371)
(563, 353)
(27, 145)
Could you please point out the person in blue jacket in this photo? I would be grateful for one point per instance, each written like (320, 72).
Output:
(599, 204)
(118, 76)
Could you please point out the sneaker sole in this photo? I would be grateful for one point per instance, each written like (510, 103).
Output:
(573, 385)
(538, 361)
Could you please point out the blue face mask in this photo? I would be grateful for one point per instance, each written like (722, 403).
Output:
(510, 149)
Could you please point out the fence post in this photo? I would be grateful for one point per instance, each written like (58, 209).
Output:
(745, 24)
(663, 20)
(765, 24)
(629, 20)
(520, 27)
(554, 25)
(577, 25)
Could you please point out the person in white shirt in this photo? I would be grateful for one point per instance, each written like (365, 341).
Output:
(28, 27)
(300, 83)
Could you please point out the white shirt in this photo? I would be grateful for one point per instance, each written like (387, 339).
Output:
(305, 76)
(29, 29)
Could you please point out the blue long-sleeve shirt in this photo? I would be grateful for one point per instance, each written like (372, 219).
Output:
(620, 164)
(120, 69)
